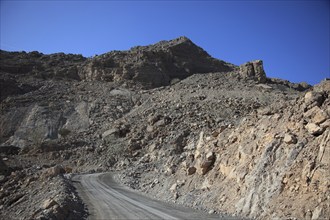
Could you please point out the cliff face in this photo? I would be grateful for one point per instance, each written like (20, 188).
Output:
(176, 123)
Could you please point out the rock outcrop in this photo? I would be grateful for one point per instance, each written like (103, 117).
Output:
(254, 70)
(155, 65)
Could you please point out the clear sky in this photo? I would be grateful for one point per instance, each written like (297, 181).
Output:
(291, 37)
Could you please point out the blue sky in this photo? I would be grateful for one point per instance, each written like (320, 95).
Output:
(291, 37)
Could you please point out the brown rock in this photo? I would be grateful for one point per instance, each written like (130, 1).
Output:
(205, 166)
(215, 134)
(207, 163)
(191, 170)
(53, 171)
(68, 169)
(254, 70)
(210, 156)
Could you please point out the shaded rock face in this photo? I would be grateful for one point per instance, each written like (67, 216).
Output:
(9, 87)
(253, 69)
(58, 65)
(155, 65)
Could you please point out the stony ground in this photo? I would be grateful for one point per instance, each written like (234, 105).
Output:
(269, 155)
(37, 189)
(232, 141)
(271, 162)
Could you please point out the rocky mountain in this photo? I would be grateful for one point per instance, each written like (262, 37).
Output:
(173, 121)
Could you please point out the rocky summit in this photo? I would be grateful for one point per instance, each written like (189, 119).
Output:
(172, 122)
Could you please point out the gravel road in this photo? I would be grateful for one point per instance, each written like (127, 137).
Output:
(106, 199)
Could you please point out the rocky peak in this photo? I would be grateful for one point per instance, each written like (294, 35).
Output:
(154, 65)
(150, 66)
(164, 44)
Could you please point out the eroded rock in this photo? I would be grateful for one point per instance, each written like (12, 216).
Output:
(253, 70)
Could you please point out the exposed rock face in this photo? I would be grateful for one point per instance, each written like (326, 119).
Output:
(155, 65)
(255, 162)
(151, 66)
(229, 141)
(9, 86)
(254, 70)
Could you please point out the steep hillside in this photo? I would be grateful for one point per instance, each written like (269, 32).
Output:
(172, 121)
(252, 150)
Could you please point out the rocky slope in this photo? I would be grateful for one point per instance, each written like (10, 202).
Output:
(175, 122)
(267, 161)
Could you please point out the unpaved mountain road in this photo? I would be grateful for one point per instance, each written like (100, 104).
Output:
(106, 199)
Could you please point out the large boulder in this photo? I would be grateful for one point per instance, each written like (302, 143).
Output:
(313, 98)
(253, 70)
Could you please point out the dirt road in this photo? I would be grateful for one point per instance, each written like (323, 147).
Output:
(106, 199)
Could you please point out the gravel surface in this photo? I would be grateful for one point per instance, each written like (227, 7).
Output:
(106, 199)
